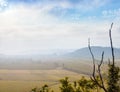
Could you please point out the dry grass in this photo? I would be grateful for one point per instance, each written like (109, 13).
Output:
(36, 75)
(24, 80)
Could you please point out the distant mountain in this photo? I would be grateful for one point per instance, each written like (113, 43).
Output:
(84, 53)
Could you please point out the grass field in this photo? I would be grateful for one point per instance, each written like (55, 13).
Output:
(25, 80)
(22, 77)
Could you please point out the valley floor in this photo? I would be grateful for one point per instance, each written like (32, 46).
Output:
(25, 80)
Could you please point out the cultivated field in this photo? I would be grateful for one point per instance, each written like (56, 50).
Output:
(24, 80)
(23, 76)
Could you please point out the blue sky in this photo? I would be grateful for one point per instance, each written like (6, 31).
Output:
(30, 26)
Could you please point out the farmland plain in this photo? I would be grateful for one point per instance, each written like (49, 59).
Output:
(23, 76)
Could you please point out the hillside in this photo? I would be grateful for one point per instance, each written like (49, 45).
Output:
(84, 53)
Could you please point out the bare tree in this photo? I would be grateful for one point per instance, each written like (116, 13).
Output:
(113, 71)
(94, 78)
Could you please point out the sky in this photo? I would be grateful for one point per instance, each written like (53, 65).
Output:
(37, 26)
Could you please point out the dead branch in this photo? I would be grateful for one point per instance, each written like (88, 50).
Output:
(99, 72)
(112, 49)
(92, 56)
(93, 78)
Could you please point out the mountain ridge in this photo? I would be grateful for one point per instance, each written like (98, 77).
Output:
(84, 53)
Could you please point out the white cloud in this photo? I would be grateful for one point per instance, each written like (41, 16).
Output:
(114, 16)
(114, 13)
(84, 4)
(3, 3)
(24, 29)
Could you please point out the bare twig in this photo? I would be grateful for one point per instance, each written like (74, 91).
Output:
(99, 72)
(92, 56)
(112, 49)
(93, 78)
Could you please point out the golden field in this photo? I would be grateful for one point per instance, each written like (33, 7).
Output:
(25, 80)
(22, 77)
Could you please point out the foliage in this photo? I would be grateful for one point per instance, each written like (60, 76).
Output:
(86, 85)
(66, 85)
(83, 85)
(113, 78)
(44, 88)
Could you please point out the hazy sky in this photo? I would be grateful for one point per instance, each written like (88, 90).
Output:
(28, 26)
